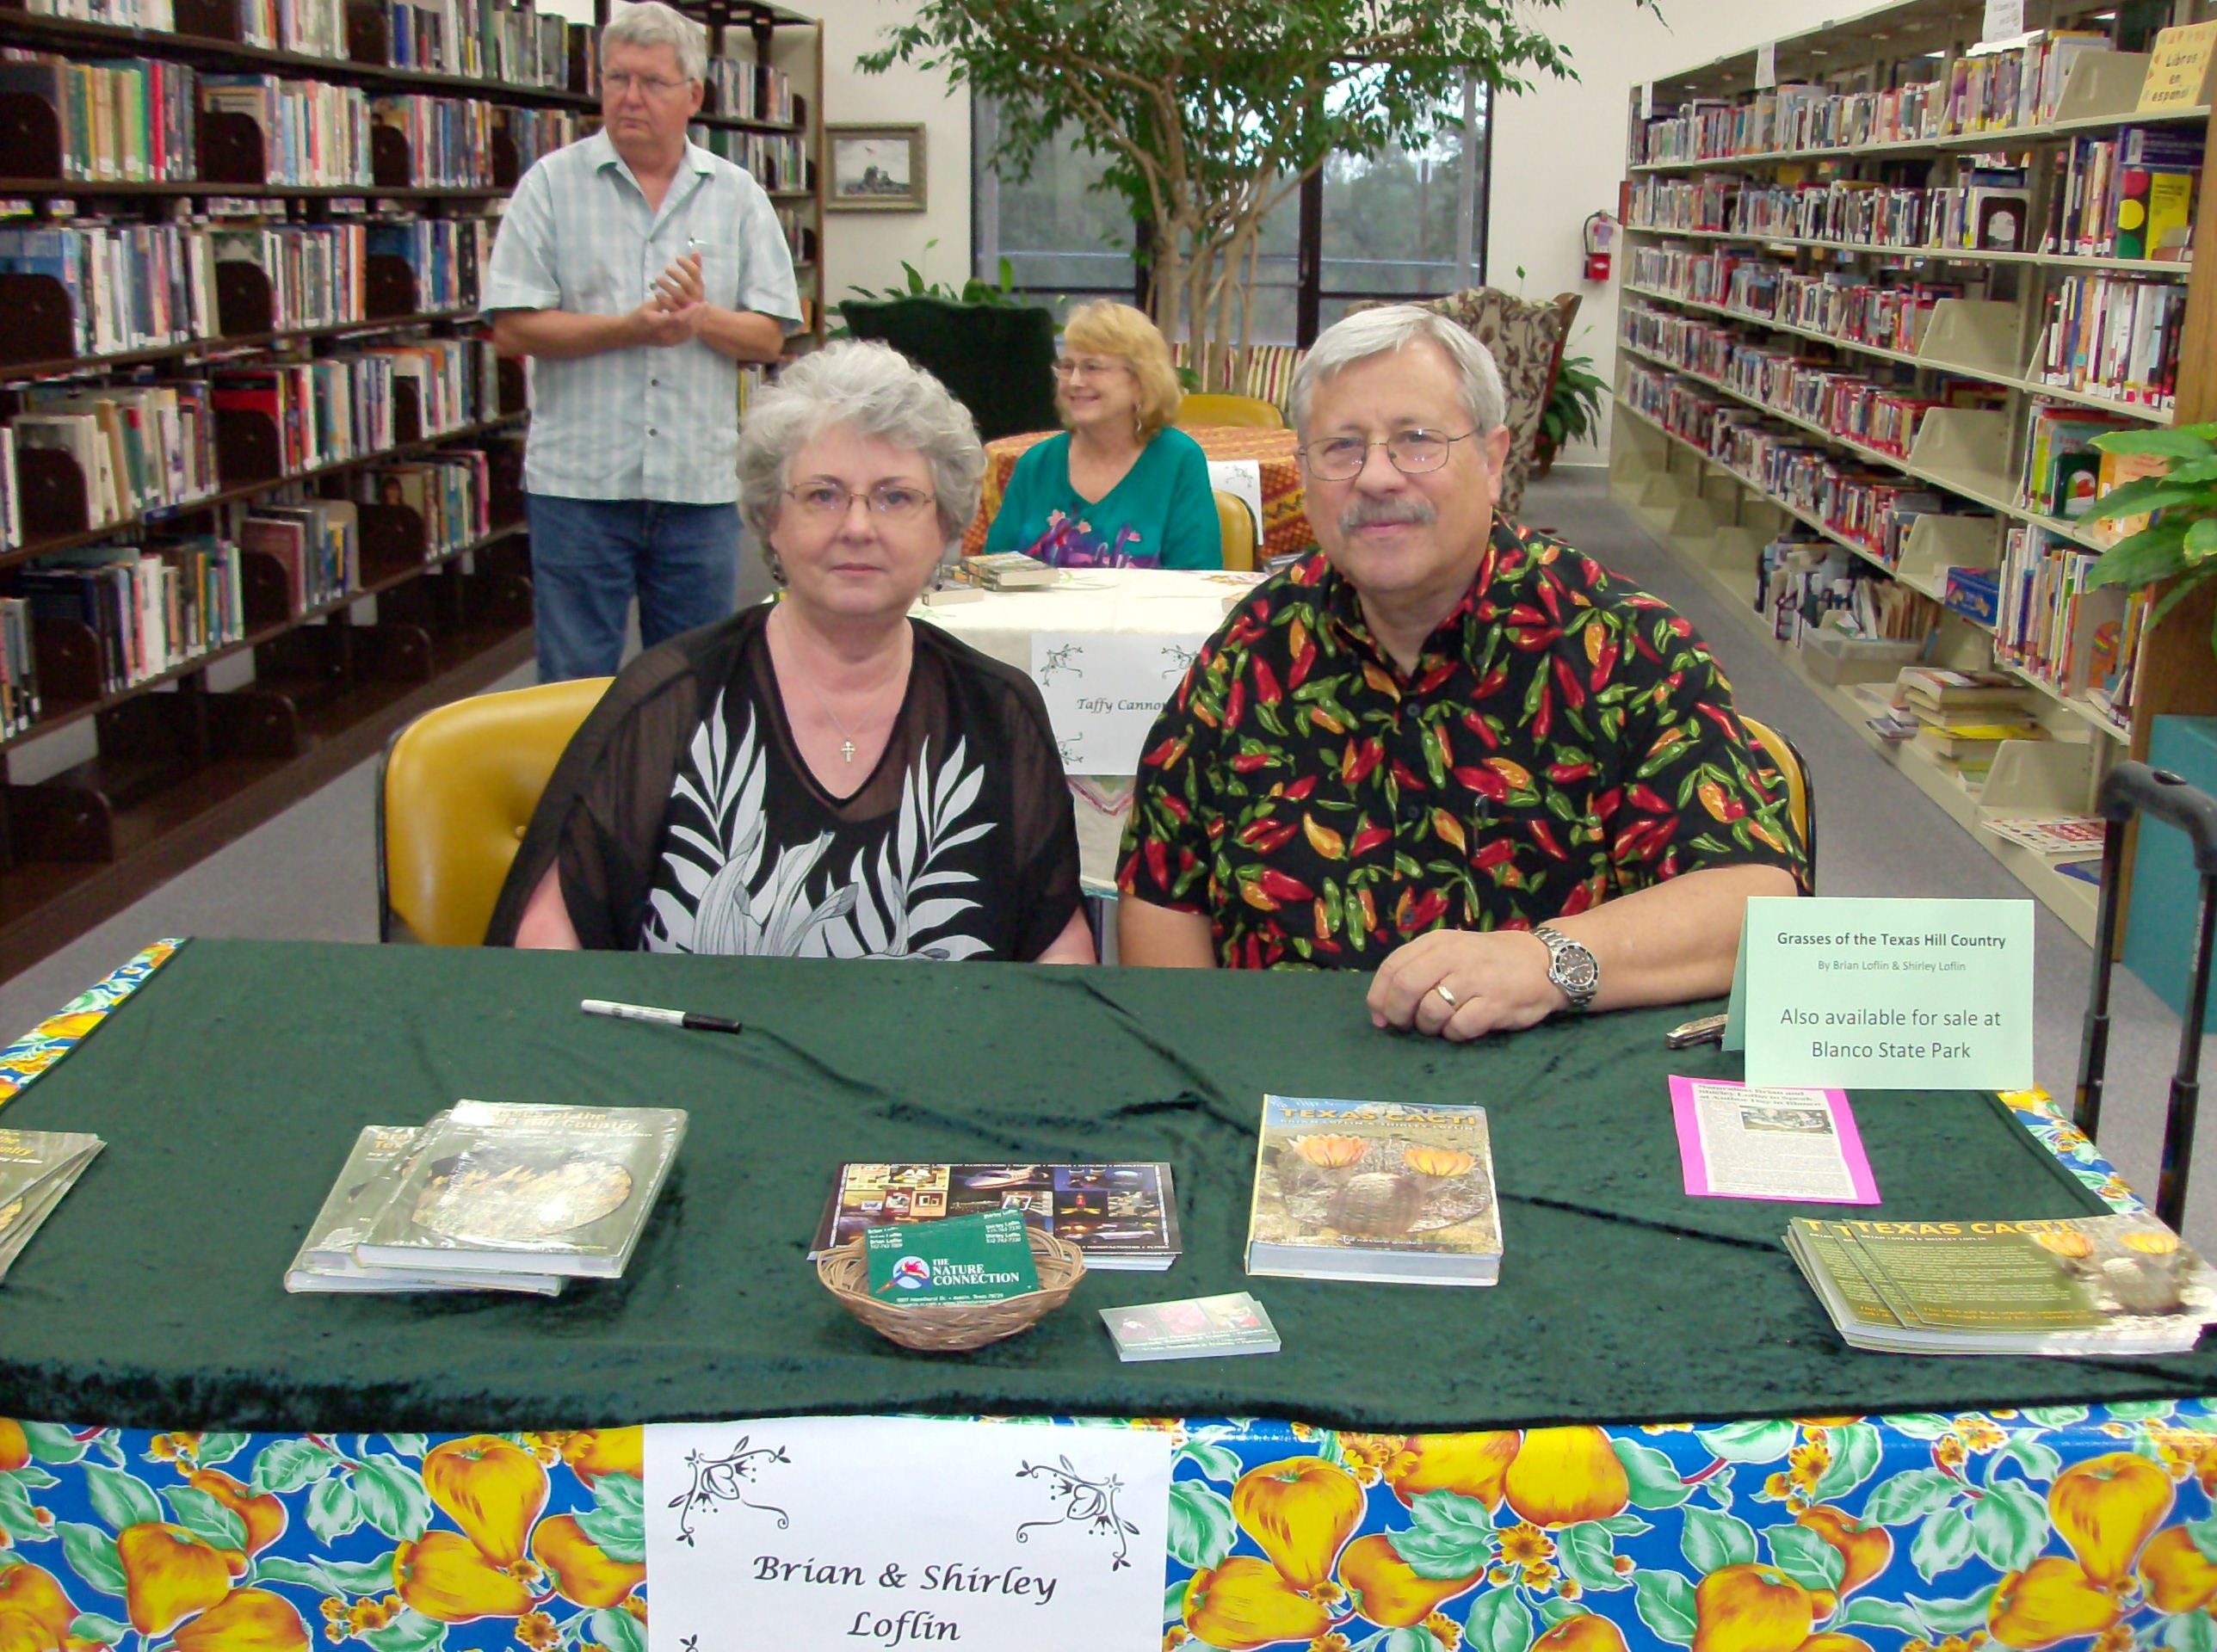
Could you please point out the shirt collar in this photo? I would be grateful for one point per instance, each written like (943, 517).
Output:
(602, 153)
(1467, 631)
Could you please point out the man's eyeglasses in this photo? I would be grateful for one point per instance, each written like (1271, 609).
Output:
(1336, 459)
(653, 85)
(830, 501)
(1093, 367)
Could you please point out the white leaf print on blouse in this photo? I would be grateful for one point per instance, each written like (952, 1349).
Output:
(890, 905)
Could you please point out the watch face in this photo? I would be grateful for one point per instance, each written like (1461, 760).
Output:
(1575, 970)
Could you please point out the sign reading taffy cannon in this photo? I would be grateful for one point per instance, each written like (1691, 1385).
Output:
(813, 1533)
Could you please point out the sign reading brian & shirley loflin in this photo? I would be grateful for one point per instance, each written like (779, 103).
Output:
(815, 1533)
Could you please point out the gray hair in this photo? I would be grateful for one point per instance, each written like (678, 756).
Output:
(873, 390)
(1395, 327)
(650, 23)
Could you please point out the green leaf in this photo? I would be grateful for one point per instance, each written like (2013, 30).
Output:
(91, 1555)
(2155, 553)
(1665, 1601)
(1955, 1617)
(1879, 1614)
(2141, 1411)
(1497, 1622)
(288, 1464)
(618, 1630)
(1174, 1600)
(1803, 1556)
(2202, 1534)
(334, 1510)
(411, 1631)
(1624, 1525)
(1711, 1541)
(2010, 1525)
(282, 1569)
(2039, 1461)
(32, 1477)
(1451, 1536)
(1201, 1529)
(392, 1498)
(120, 1498)
(2189, 1631)
(2183, 586)
(2165, 444)
(1910, 1495)
(1588, 1554)
(207, 1519)
(363, 1576)
(215, 1448)
(1746, 1442)
(16, 1521)
(2054, 1416)
(1943, 1543)
(1857, 1450)
(1654, 1477)
(409, 1444)
(1551, 1609)
(91, 1626)
(52, 1443)
(1215, 1462)
(1920, 1425)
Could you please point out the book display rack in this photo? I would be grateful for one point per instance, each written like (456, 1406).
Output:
(1884, 283)
(260, 478)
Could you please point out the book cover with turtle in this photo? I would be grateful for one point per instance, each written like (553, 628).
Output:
(502, 1186)
(1394, 1193)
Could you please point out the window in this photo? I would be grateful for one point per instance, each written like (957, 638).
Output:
(1401, 224)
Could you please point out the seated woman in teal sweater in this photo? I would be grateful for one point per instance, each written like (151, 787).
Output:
(1120, 488)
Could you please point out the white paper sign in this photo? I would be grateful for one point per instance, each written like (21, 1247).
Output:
(1243, 477)
(1104, 691)
(1766, 65)
(2005, 20)
(810, 1534)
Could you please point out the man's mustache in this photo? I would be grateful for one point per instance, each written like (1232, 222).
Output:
(1368, 513)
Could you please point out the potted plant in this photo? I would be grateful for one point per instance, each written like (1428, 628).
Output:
(2180, 546)
(1572, 412)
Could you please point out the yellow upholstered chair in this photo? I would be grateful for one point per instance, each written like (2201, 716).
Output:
(456, 789)
(1247, 412)
(1237, 523)
(1800, 787)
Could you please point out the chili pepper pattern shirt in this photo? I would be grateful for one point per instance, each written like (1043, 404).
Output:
(1565, 738)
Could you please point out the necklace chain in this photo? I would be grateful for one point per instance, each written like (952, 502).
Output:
(847, 746)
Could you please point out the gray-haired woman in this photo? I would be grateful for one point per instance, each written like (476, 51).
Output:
(824, 776)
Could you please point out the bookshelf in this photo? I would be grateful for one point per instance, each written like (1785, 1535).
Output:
(1795, 299)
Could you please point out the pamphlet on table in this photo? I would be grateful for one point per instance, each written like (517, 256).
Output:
(982, 1258)
(1388, 1191)
(1747, 1141)
(1192, 1327)
(1121, 1215)
(37, 1167)
(2083, 1286)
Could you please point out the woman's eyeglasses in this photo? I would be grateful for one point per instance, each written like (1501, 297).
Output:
(1096, 367)
(830, 501)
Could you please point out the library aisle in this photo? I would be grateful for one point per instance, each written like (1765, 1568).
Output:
(309, 874)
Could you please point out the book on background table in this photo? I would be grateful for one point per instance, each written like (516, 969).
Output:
(2049, 834)
(982, 1258)
(1192, 1328)
(325, 1261)
(1934, 688)
(514, 1187)
(1123, 1216)
(37, 1167)
(2081, 1285)
(1393, 1193)
(1010, 570)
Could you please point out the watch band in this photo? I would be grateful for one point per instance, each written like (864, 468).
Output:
(1570, 967)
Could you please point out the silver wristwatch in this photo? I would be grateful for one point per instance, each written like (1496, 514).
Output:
(1570, 965)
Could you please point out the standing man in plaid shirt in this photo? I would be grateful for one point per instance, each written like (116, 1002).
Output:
(640, 270)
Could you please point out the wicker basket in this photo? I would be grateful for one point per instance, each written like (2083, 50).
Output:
(953, 1326)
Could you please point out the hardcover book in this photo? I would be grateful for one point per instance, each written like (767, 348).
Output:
(1393, 1193)
(37, 1167)
(510, 1187)
(1195, 1327)
(1121, 1215)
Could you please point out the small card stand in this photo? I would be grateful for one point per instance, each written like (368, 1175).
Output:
(40, 326)
(407, 414)
(247, 450)
(30, 138)
(392, 541)
(390, 287)
(244, 306)
(231, 148)
(513, 385)
(392, 164)
(206, 19)
(51, 495)
(369, 38)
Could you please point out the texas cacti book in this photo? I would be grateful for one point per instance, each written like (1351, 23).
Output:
(1394, 1193)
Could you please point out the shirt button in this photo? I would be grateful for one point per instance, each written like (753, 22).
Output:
(650, 430)
(654, 381)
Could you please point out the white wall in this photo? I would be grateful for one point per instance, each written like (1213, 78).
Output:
(1558, 149)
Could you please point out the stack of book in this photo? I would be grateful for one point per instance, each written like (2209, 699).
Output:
(2090, 1285)
(1395, 1193)
(151, 607)
(491, 1196)
(1006, 570)
(37, 1167)
(1121, 1215)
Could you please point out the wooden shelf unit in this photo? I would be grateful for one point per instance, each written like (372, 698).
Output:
(1719, 520)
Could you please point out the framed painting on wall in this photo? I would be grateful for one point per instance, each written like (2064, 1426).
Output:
(876, 168)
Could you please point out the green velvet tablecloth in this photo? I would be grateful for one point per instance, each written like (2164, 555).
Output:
(229, 1087)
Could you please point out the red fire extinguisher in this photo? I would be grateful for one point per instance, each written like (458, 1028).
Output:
(1601, 235)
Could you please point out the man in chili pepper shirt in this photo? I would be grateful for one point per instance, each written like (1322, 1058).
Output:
(1447, 750)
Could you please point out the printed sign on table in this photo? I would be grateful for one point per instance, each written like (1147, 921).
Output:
(1104, 690)
(1884, 995)
(1243, 477)
(815, 1533)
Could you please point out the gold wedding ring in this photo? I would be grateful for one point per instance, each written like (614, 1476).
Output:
(1441, 988)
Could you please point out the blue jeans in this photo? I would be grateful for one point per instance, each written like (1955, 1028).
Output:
(589, 556)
